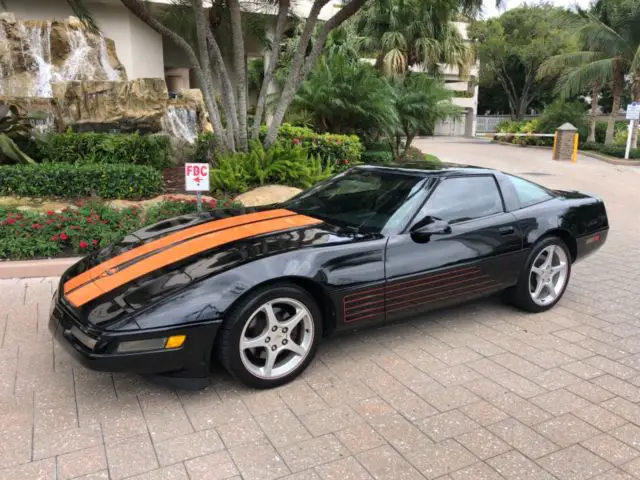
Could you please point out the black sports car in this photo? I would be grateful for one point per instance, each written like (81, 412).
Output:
(259, 287)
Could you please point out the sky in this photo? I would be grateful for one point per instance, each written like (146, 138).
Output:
(490, 9)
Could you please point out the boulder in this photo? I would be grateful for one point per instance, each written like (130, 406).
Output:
(267, 195)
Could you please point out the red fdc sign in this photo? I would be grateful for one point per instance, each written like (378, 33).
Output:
(196, 177)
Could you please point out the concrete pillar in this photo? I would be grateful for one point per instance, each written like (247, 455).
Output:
(469, 123)
(565, 145)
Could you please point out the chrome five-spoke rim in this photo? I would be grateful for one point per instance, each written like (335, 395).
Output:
(548, 275)
(277, 338)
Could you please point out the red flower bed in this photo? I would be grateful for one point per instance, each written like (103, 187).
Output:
(34, 234)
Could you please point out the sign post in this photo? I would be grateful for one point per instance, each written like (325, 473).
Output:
(196, 177)
(633, 114)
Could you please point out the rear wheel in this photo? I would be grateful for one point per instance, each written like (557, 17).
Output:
(271, 337)
(545, 277)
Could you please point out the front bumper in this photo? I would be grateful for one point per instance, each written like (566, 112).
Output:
(96, 349)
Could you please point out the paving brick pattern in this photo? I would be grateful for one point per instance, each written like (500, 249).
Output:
(481, 391)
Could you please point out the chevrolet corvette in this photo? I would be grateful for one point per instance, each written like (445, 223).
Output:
(258, 288)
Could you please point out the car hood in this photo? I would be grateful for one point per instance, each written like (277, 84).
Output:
(161, 259)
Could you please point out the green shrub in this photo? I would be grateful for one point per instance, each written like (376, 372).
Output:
(283, 164)
(78, 181)
(612, 150)
(99, 148)
(341, 151)
(381, 157)
(601, 130)
(174, 208)
(204, 148)
(416, 155)
(561, 112)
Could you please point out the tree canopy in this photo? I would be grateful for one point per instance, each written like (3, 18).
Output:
(511, 48)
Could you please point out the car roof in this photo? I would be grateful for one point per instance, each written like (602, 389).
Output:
(425, 169)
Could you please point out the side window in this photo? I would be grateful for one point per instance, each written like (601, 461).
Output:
(464, 198)
(528, 192)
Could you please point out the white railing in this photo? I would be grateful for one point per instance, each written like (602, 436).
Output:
(488, 123)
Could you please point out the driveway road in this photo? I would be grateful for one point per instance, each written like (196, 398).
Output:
(476, 392)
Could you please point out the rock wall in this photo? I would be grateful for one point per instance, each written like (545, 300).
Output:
(35, 54)
(75, 78)
(141, 105)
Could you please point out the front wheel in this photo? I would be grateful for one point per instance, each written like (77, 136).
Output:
(271, 337)
(545, 277)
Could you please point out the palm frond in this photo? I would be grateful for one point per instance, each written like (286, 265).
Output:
(581, 79)
(558, 63)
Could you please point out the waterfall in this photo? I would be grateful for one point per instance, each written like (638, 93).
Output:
(78, 58)
(87, 59)
(3, 42)
(38, 47)
(112, 74)
(181, 122)
(43, 126)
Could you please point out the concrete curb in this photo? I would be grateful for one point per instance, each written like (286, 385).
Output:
(612, 161)
(36, 268)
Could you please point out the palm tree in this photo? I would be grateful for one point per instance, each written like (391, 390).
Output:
(421, 102)
(610, 37)
(404, 33)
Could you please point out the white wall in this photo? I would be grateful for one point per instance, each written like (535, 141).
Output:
(139, 48)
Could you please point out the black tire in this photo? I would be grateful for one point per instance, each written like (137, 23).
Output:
(519, 295)
(228, 338)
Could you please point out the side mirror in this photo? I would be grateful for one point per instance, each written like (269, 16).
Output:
(422, 231)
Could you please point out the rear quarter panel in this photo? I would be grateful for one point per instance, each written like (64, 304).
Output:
(571, 214)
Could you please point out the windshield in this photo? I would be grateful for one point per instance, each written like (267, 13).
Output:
(368, 201)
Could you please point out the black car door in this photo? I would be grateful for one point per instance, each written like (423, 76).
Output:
(475, 249)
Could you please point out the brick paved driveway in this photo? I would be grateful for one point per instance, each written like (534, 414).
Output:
(476, 392)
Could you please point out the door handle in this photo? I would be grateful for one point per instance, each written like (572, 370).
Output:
(507, 230)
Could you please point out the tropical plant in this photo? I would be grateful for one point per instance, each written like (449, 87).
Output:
(609, 35)
(13, 127)
(404, 33)
(347, 96)
(282, 163)
(420, 103)
(512, 47)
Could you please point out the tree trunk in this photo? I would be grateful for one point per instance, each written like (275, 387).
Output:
(281, 23)
(618, 87)
(595, 93)
(299, 71)
(636, 98)
(240, 63)
(138, 8)
(201, 32)
(228, 96)
(288, 91)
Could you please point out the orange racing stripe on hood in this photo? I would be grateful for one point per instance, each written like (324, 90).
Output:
(194, 246)
(169, 240)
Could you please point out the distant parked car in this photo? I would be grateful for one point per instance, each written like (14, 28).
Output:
(259, 287)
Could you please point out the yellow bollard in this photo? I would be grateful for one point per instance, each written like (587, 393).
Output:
(555, 145)
(574, 157)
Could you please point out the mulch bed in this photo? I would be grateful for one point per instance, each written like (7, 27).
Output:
(174, 180)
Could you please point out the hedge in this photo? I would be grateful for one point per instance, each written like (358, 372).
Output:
(381, 157)
(612, 150)
(99, 148)
(340, 150)
(78, 181)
